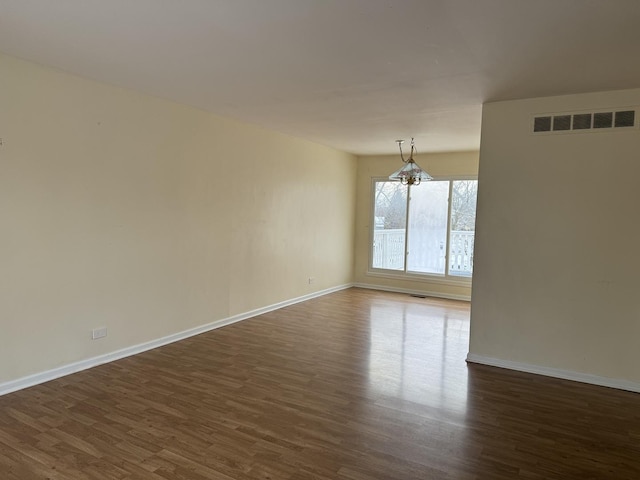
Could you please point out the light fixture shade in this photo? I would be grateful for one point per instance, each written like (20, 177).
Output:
(410, 174)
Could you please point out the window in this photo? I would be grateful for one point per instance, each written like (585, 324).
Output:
(427, 229)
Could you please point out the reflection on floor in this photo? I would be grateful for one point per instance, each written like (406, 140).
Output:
(357, 385)
(412, 344)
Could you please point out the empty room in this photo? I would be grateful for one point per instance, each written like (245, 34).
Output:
(319, 240)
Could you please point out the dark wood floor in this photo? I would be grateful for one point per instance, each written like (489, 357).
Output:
(356, 385)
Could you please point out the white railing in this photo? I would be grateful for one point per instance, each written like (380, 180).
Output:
(388, 251)
(461, 253)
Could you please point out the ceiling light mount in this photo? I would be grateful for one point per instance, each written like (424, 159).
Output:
(410, 173)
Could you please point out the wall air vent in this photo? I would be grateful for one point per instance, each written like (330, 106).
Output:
(542, 124)
(561, 122)
(603, 120)
(626, 118)
(584, 122)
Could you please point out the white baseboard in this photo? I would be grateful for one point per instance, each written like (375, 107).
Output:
(556, 373)
(448, 296)
(42, 377)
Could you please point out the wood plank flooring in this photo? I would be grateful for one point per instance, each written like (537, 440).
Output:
(356, 385)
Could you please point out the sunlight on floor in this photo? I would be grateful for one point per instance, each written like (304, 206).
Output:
(417, 354)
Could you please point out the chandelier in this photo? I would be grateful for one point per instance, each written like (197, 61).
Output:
(410, 173)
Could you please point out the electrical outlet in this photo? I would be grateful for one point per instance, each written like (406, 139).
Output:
(98, 333)
(312, 280)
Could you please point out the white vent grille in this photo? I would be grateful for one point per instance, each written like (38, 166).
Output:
(584, 122)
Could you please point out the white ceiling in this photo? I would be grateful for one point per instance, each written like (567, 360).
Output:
(352, 74)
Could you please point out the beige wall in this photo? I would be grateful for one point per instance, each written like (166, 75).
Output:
(454, 164)
(556, 263)
(150, 218)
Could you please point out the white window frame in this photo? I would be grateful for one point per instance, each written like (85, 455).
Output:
(445, 278)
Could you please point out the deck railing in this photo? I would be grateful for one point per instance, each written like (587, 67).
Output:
(389, 245)
(388, 249)
(461, 253)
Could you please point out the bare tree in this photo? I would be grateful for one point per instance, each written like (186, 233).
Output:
(391, 204)
(463, 205)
